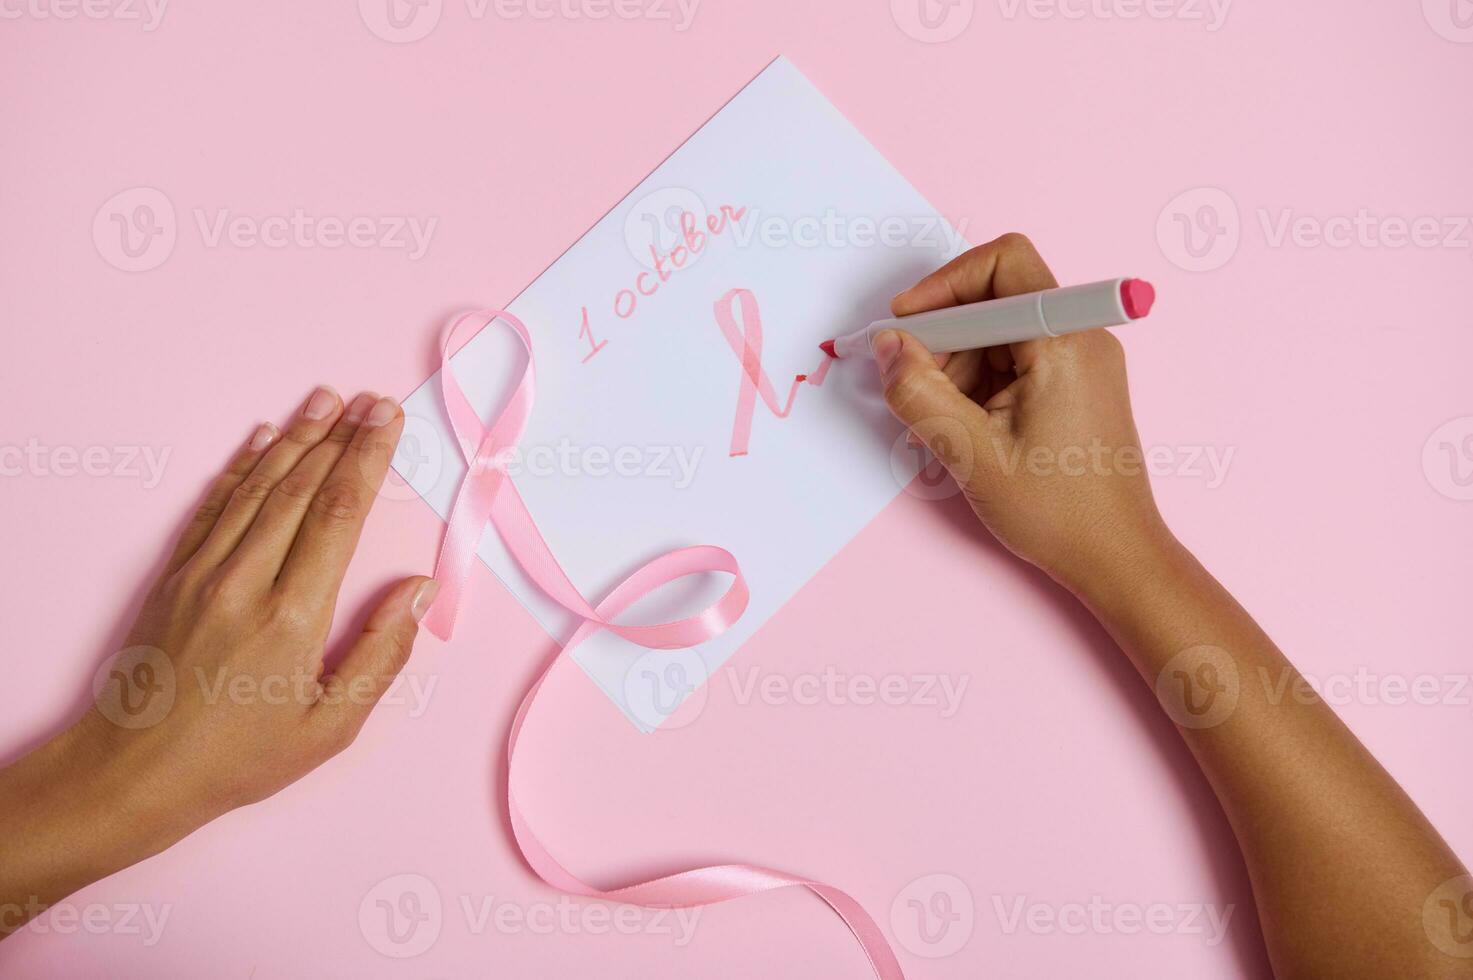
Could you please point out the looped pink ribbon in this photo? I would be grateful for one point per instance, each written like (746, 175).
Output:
(487, 494)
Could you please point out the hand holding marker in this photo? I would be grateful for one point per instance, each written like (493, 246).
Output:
(1027, 316)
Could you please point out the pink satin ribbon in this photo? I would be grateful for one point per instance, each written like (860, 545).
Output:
(488, 495)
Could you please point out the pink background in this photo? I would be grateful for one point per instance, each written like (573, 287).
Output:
(1324, 369)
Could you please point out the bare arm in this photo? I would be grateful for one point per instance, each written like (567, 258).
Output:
(1344, 866)
(220, 697)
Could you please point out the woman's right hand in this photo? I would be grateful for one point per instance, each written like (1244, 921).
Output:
(1039, 435)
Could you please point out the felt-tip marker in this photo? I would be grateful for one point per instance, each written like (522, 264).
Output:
(1027, 316)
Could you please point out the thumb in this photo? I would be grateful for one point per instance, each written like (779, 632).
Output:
(374, 660)
(917, 391)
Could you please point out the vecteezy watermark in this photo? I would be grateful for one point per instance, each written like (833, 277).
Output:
(1447, 917)
(36, 459)
(834, 229)
(1212, 14)
(137, 229)
(1451, 19)
(1364, 686)
(669, 228)
(1200, 230)
(420, 460)
(1447, 458)
(141, 919)
(1099, 917)
(933, 916)
(1365, 230)
(665, 690)
(404, 915)
(573, 917)
(138, 687)
(404, 21)
(933, 21)
(676, 465)
(941, 693)
(135, 688)
(1207, 463)
(940, 474)
(933, 459)
(401, 916)
(146, 13)
(1199, 687)
(304, 687)
(299, 230)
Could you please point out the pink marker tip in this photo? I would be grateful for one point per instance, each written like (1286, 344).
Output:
(828, 348)
(1137, 296)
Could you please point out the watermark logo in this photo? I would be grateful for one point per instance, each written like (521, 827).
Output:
(655, 226)
(570, 917)
(1210, 13)
(401, 916)
(404, 21)
(1447, 459)
(35, 459)
(666, 689)
(409, 234)
(1199, 687)
(419, 461)
(135, 687)
(923, 459)
(1366, 687)
(942, 693)
(1199, 230)
(147, 13)
(303, 686)
(1451, 19)
(1285, 226)
(135, 230)
(1447, 917)
(676, 465)
(400, 21)
(933, 916)
(933, 21)
(144, 921)
(1105, 918)
(1209, 464)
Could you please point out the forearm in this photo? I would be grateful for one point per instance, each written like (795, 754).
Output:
(69, 816)
(1341, 861)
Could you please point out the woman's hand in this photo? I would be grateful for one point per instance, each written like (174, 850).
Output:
(1347, 874)
(1039, 435)
(219, 698)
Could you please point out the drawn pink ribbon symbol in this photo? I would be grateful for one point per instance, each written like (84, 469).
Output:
(486, 494)
(745, 339)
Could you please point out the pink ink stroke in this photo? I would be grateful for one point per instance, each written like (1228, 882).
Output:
(745, 339)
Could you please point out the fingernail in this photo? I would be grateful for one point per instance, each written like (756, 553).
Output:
(360, 407)
(321, 404)
(424, 598)
(383, 412)
(264, 436)
(886, 346)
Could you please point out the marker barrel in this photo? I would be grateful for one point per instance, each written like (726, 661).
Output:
(1027, 316)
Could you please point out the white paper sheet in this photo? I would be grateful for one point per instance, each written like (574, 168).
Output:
(628, 452)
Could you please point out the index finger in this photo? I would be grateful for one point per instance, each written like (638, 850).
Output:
(329, 534)
(1005, 266)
